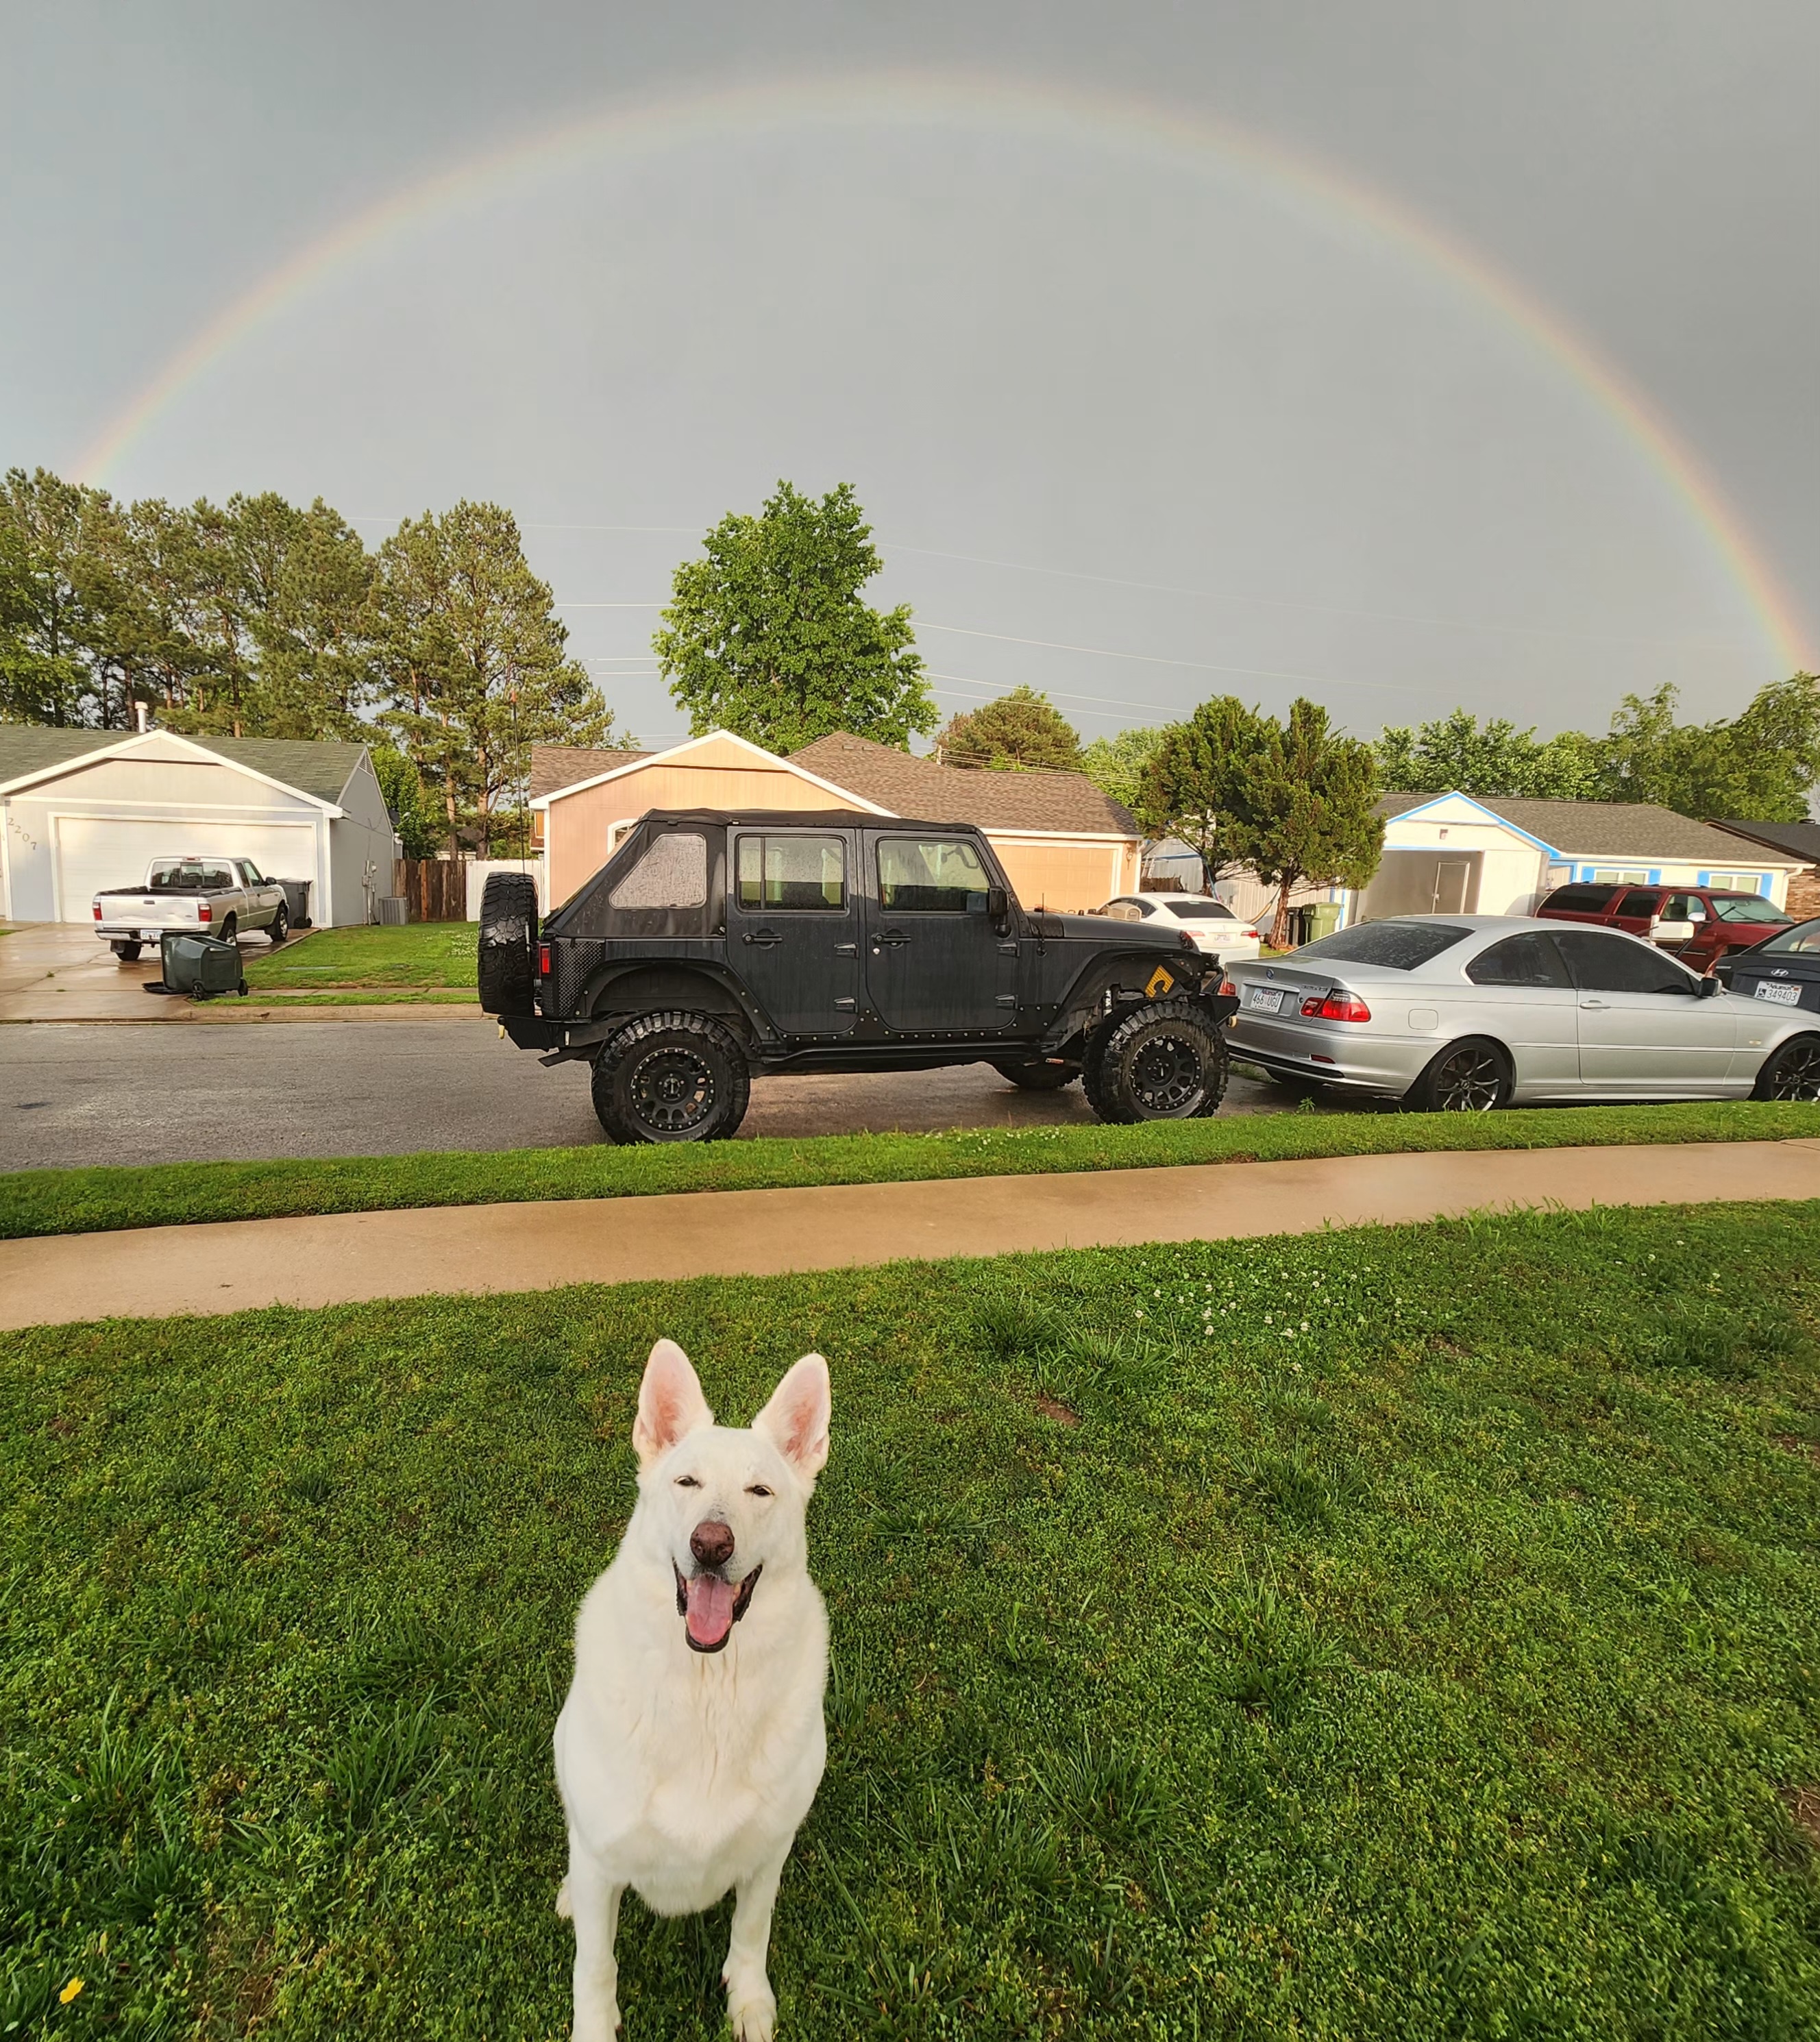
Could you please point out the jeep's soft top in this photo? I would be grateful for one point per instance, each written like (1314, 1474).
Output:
(714, 943)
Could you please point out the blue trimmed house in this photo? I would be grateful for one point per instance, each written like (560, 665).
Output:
(1465, 854)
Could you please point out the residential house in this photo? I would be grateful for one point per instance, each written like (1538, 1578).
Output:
(1799, 840)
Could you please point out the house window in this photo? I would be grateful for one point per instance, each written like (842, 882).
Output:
(1735, 882)
(1618, 875)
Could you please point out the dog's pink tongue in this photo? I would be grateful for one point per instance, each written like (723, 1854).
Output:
(710, 1609)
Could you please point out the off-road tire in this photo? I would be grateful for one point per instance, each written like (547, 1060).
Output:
(508, 953)
(1793, 1072)
(1470, 1075)
(672, 1077)
(127, 953)
(1038, 1077)
(1166, 1060)
(280, 926)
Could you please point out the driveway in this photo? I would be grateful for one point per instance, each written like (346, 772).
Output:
(75, 1093)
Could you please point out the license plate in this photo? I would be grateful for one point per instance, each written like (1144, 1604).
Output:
(1783, 996)
(1260, 1000)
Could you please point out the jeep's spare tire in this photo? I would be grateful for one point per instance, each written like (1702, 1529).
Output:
(672, 1077)
(508, 961)
(1164, 1061)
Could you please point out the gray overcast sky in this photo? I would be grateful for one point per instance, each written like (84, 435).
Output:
(1187, 421)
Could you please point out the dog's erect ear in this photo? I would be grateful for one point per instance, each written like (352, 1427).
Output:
(795, 1421)
(670, 1403)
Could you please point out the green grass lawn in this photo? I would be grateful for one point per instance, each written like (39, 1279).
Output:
(36, 1202)
(421, 955)
(1396, 1634)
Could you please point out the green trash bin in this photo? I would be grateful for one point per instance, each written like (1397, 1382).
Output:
(200, 966)
(1323, 919)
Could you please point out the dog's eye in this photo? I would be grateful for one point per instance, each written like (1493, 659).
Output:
(687, 1481)
(757, 1489)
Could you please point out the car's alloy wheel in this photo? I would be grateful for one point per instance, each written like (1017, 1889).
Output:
(672, 1077)
(1469, 1079)
(1794, 1072)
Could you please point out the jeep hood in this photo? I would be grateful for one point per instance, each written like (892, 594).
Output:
(1101, 929)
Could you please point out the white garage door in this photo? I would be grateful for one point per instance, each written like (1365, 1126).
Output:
(95, 852)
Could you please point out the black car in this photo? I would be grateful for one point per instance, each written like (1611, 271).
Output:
(713, 945)
(1784, 971)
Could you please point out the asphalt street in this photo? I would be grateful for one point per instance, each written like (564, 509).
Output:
(73, 1093)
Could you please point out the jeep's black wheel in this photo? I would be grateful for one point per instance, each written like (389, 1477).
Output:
(1038, 1077)
(127, 953)
(1472, 1077)
(672, 1077)
(1164, 1061)
(508, 955)
(1792, 1072)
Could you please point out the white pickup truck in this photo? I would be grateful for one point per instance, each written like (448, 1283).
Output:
(206, 896)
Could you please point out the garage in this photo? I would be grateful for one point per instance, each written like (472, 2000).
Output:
(85, 810)
(95, 852)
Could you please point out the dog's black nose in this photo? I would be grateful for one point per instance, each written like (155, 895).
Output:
(711, 1542)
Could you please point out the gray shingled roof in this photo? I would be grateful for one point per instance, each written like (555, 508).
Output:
(911, 786)
(1793, 840)
(1596, 829)
(554, 767)
(321, 769)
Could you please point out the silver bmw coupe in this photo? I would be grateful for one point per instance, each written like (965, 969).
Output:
(1463, 1013)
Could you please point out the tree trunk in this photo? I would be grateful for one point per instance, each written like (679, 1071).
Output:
(1280, 927)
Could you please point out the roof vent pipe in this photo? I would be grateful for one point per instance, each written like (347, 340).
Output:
(142, 718)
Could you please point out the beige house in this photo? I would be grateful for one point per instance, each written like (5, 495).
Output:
(1064, 844)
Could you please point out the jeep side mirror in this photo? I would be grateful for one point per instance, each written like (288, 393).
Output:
(998, 906)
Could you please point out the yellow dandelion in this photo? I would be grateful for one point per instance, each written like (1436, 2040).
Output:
(69, 1991)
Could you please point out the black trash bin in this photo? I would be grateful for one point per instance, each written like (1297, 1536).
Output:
(296, 900)
(198, 965)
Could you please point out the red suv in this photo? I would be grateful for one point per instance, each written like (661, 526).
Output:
(1701, 925)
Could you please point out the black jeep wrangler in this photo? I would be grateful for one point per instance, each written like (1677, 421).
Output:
(712, 945)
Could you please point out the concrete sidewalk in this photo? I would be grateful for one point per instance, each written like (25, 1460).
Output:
(341, 1258)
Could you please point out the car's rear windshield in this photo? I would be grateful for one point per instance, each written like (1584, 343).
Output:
(1745, 907)
(1802, 940)
(1202, 911)
(184, 875)
(1393, 946)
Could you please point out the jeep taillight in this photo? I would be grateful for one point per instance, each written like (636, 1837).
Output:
(543, 960)
(1338, 1005)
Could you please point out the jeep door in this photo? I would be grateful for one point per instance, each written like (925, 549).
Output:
(793, 927)
(934, 960)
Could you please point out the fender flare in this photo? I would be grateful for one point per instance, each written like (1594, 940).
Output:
(734, 1003)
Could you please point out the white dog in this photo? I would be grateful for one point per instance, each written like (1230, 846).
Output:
(691, 1743)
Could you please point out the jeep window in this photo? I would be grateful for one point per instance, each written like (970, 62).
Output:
(779, 873)
(930, 876)
(673, 873)
(1396, 946)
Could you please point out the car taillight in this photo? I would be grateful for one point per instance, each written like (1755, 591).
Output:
(1252, 936)
(1337, 1005)
(543, 960)
(1227, 990)
(204, 911)
(1186, 938)
(97, 910)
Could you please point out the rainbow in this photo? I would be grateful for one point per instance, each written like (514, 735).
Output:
(1143, 128)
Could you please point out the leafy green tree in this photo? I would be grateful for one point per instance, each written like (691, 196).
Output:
(59, 659)
(1198, 781)
(400, 782)
(768, 637)
(1310, 813)
(1115, 765)
(1457, 753)
(1018, 732)
(474, 662)
(1758, 766)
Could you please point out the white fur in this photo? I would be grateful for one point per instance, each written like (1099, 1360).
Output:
(683, 1773)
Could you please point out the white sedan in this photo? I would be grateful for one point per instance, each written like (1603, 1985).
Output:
(1461, 1013)
(1213, 925)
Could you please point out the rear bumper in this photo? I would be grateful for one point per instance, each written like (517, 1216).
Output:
(140, 932)
(1338, 1054)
